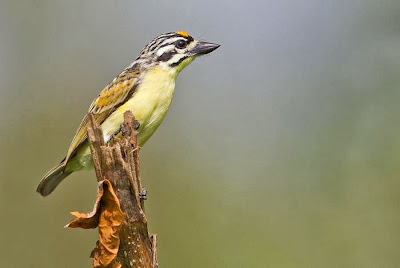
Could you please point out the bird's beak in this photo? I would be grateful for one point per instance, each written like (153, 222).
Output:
(203, 48)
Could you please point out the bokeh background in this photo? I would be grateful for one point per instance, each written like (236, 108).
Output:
(281, 148)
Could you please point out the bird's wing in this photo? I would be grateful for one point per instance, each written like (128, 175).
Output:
(116, 93)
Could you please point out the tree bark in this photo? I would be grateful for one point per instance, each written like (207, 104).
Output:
(120, 164)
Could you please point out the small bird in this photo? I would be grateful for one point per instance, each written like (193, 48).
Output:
(146, 87)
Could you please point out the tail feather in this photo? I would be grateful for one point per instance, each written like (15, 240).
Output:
(52, 179)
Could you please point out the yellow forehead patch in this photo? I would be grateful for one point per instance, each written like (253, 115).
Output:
(184, 34)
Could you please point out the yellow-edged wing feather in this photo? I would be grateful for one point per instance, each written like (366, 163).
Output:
(116, 93)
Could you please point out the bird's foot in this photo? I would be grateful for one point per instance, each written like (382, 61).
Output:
(143, 194)
(137, 125)
(121, 130)
(124, 131)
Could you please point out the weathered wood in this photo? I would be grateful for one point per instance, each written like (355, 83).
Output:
(119, 163)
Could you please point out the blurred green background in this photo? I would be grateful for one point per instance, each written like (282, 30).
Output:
(281, 148)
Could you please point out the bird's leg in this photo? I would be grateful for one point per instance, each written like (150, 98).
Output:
(118, 130)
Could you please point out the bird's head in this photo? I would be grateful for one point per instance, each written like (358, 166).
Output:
(173, 51)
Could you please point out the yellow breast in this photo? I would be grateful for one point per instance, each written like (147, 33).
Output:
(149, 104)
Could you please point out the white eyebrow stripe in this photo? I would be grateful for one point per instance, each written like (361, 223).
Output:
(170, 40)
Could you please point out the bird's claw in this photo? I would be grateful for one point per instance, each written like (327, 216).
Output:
(137, 125)
(124, 131)
(143, 194)
(121, 130)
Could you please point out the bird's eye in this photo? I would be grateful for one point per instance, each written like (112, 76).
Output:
(180, 44)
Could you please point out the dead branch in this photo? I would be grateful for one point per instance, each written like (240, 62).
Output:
(119, 163)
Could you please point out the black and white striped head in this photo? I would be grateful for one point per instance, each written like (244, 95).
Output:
(173, 50)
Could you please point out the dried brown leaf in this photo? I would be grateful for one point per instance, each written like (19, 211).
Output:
(108, 216)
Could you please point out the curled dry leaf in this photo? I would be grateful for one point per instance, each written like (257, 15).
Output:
(108, 216)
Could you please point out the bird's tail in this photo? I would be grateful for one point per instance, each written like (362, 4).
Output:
(52, 179)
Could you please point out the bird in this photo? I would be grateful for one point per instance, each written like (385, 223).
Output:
(146, 88)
